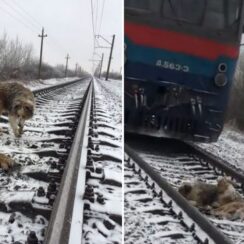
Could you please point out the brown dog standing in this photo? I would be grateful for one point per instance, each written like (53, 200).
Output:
(18, 101)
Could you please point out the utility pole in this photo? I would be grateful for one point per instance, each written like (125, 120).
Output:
(40, 62)
(101, 65)
(110, 57)
(67, 61)
(76, 69)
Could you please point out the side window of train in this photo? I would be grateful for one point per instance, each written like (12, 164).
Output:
(233, 11)
(214, 16)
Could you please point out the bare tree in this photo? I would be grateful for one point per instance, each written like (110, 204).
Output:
(18, 62)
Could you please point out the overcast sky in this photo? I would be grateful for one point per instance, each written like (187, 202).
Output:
(68, 24)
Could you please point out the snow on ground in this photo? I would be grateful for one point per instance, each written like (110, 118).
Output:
(113, 91)
(103, 221)
(229, 147)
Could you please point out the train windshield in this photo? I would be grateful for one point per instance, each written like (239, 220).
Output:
(210, 14)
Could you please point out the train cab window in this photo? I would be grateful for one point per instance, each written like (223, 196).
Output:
(222, 15)
(184, 10)
(142, 4)
(144, 7)
(207, 14)
(214, 15)
(217, 16)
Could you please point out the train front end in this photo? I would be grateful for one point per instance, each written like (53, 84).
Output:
(180, 58)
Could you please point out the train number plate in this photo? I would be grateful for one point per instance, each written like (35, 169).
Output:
(172, 66)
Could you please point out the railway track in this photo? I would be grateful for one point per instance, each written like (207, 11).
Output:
(91, 210)
(66, 184)
(29, 190)
(161, 166)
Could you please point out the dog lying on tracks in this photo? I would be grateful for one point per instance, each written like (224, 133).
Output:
(18, 102)
(201, 194)
(222, 199)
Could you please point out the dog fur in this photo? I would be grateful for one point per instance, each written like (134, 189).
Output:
(6, 162)
(226, 192)
(232, 210)
(203, 195)
(199, 194)
(18, 102)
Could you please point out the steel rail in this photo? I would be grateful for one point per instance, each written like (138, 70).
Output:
(217, 162)
(58, 230)
(193, 213)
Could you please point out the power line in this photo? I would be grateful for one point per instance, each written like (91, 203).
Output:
(96, 24)
(19, 20)
(37, 23)
(28, 14)
(96, 17)
(93, 28)
(19, 12)
(101, 17)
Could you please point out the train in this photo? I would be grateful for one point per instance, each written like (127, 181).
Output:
(180, 59)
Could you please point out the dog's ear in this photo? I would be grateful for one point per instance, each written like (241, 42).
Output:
(223, 184)
(225, 180)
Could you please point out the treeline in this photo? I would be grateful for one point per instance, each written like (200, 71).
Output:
(235, 114)
(112, 75)
(17, 61)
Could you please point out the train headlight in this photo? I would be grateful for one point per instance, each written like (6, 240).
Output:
(222, 68)
(220, 79)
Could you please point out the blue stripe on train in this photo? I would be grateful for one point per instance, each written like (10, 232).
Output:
(200, 69)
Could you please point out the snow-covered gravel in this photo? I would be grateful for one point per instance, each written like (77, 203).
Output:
(103, 221)
(229, 147)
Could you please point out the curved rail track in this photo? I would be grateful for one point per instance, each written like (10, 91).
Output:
(154, 169)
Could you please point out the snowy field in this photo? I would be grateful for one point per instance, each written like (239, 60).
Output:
(229, 147)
